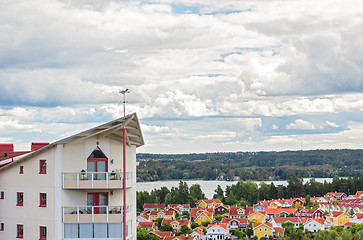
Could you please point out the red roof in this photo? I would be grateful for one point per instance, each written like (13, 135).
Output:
(240, 220)
(209, 201)
(255, 225)
(154, 205)
(6, 147)
(287, 219)
(359, 215)
(233, 211)
(196, 211)
(336, 214)
(222, 225)
(36, 145)
(279, 229)
(181, 221)
(161, 234)
(280, 210)
(146, 225)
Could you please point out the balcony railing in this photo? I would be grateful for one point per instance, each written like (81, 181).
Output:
(95, 180)
(93, 214)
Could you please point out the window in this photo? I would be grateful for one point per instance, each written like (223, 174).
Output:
(42, 233)
(42, 200)
(19, 231)
(2, 227)
(19, 198)
(42, 166)
(265, 229)
(21, 170)
(2, 195)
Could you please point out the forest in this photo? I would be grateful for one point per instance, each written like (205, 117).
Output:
(250, 165)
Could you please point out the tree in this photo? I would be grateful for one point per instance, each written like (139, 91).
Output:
(219, 194)
(165, 227)
(184, 230)
(307, 201)
(185, 214)
(195, 194)
(142, 234)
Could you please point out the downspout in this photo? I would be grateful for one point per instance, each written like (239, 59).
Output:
(124, 182)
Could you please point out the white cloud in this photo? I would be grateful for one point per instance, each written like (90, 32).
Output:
(301, 124)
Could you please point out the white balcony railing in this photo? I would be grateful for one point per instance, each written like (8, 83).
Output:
(95, 180)
(94, 214)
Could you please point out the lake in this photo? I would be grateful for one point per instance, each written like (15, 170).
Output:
(207, 187)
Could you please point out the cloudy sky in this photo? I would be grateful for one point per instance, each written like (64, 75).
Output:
(204, 75)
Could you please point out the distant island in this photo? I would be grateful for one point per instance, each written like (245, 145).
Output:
(259, 166)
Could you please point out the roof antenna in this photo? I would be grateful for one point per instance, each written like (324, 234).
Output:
(123, 92)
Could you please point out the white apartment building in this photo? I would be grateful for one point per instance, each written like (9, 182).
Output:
(77, 187)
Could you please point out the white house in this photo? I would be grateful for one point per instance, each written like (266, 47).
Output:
(314, 225)
(217, 231)
(82, 186)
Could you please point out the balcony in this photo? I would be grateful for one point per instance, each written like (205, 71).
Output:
(91, 214)
(95, 180)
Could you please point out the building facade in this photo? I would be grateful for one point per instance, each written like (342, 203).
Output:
(82, 186)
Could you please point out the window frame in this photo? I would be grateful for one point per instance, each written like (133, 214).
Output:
(2, 195)
(42, 204)
(18, 231)
(21, 169)
(2, 227)
(41, 170)
(18, 203)
(40, 232)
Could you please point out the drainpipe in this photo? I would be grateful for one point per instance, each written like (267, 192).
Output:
(124, 182)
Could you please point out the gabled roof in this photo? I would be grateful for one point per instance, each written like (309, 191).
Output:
(240, 220)
(280, 210)
(287, 219)
(279, 229)
(113, 130)
(336, 214)
(154, 205)
(179, 205)
(161, 234)
(255, 225)
(146, 225)
(196, 211)
(318, 220)
(233, 211)
(358, 215)
(209, 201)
(179, 221)
(222, 225)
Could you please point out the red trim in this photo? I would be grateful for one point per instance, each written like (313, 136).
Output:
(19, 232)
(21, 170)
(42, 200)
(2, 195)
(96, 200)
(42, 169)
(40, 233)
(2, 226)
(19, 199)
(124, 182)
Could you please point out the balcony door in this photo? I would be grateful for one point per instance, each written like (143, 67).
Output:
(97, 162)
(98, 201)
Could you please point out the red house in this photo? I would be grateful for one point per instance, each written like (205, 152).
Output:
(309, 213)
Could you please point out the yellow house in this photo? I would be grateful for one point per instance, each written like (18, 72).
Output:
(169, 215)
(338, 218)
(262, 230)
(204, 217)
(257, 217)
(176, 224)
(208, 203)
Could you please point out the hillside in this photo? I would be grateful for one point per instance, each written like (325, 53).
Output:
(250, 165)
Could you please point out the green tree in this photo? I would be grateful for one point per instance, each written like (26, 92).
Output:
(185, 214)
(184, 230)
(165, 227)
(219, 194)
(195, 194)
(142, 234)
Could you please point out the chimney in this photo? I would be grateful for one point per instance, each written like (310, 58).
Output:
(6, 147)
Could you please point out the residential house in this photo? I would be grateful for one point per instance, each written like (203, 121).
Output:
(338, 196)
(161, 234)
(279, 232)
(278, 221)
(146, 225)
(237, 212)
(82, 186)
(143, 218)
(262, 230)
(315, 224)
(154, 206)
(277, 212)
(309, 213)
(338, 218)
(199, 235)
(260, 206)
(221, 209)
(236, 223)
(204, 216)
(357, 218)
(257, 217)
(180, 207)
(208, 203)
(217, 231)
(194, 212)
(176, 223)
(179, 238)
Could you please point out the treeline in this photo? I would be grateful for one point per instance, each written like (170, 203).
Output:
(250, 165)
(247, 192)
